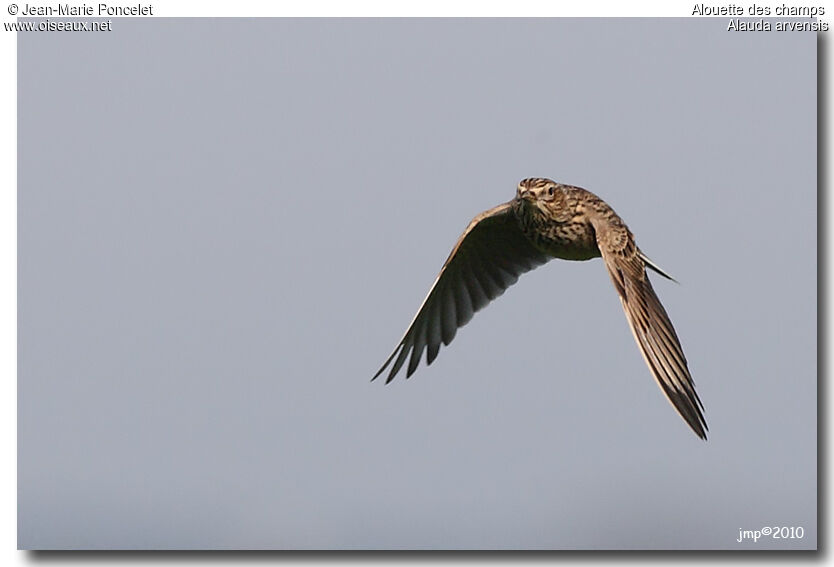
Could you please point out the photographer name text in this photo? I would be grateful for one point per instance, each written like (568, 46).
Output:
(87, 10)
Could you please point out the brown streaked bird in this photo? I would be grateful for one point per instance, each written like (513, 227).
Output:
(549, 220)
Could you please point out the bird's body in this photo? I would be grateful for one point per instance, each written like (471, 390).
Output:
(550, 220)
(561, 228)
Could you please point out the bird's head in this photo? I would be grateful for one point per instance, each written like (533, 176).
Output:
(538, 190)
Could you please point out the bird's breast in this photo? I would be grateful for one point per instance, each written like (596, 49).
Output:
(572, 239)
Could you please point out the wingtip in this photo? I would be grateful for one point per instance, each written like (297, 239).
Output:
(386, 364)
(378, 372)
(700, 428)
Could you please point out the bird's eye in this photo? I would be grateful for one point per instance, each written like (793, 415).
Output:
(551, 190)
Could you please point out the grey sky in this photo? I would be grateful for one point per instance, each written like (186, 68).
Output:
(226, 225)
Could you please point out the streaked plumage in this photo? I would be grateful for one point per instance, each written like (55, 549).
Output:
(549, 220)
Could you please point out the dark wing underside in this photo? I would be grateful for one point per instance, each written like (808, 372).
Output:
(488, 258)
(650, 324)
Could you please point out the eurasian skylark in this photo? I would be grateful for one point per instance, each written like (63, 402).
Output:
(550, 220)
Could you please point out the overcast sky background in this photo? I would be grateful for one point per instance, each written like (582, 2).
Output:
(225, 225)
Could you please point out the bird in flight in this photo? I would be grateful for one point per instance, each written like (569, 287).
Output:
(549, 220)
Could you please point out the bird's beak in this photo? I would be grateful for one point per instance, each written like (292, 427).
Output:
(524, 194)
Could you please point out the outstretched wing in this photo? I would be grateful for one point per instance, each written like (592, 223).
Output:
(487, 259)
(648, 320)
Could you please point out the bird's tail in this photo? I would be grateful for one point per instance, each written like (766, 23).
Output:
(655, 267)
